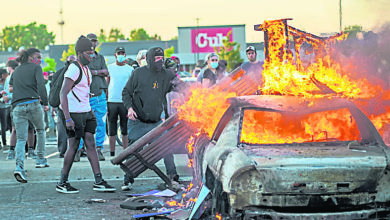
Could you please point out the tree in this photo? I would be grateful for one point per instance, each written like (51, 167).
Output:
(169, 51)
(27, 36)
(115, 35)
(102, 37)
(140, 34)
(51, 65)
(71, 51)
(229, 52)
(352, 31)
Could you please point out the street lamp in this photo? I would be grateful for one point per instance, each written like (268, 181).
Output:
(340, 16)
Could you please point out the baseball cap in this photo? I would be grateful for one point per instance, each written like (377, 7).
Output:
(250, 48)
(92, 36)
(120, 49)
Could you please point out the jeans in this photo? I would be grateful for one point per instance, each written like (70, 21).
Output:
(99, 107)
(137, 129)
(49, 120)
(22, 114)
(4, 124)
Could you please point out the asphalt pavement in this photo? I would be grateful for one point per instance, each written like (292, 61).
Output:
(38, 199)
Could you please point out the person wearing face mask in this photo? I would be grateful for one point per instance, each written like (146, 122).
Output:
(76, 113)
(144, 96)
(28, 89)
(98, 98)
(120, 73)
(141, 57)
(210, 74)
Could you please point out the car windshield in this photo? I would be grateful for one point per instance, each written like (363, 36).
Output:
(265, 127)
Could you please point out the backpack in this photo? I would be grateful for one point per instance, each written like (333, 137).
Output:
(56, 84)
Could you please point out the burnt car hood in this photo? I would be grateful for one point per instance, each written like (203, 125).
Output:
(318, 168)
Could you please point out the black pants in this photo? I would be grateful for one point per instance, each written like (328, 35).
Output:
(113, 111)
(4, 124)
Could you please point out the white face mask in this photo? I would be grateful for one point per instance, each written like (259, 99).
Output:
(143, 62)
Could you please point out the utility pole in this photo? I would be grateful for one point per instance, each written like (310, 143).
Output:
(341, 16)
(61, 23)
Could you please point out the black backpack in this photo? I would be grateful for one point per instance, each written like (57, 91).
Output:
(56, 84)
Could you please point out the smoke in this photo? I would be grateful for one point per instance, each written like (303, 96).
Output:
(367, 56)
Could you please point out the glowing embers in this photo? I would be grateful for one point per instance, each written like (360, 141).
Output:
(265, 127)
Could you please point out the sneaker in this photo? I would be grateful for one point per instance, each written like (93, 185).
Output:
(103, 186)
(66, 188)
(100, 155)
(20, 176)
(77, 156)
(11, 155)
(174, 177)
(31, 154)
(41, 163)
(126, 187)
(5, 147)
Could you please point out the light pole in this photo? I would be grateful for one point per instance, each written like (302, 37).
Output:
(61, 23)
(341, 16)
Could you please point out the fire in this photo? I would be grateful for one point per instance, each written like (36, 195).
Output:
(172, 203)
(288, 75)
(205, 107)
(218, 216)
(288, 72)
(336, 125)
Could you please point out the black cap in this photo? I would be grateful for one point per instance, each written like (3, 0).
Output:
(92, 36)
(158, 52)
(83, 44)
(120, 49)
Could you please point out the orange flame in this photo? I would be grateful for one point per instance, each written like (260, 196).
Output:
(172, 203)
(288, 75)
(287, 129)
(205, 107)
(218, 216)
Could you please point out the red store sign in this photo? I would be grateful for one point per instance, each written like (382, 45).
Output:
(204, 40)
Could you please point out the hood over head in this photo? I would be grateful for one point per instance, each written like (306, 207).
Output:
(152, 52)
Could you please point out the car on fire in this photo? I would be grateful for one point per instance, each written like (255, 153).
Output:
(288, 157)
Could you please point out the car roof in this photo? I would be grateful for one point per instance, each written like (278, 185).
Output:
(290, 103)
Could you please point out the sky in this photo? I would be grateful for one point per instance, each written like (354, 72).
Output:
(163, 17)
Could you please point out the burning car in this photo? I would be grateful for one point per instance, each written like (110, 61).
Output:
(281, 157)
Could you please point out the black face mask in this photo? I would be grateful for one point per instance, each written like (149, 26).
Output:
(158, 65)
(83, 60)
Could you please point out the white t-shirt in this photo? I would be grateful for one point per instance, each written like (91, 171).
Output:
(119, 75)
(81, 89)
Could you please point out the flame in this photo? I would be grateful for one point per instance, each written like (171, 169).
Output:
(172, 203)
(205, 107)
(218, 216)
(275, 128)
(286, 75)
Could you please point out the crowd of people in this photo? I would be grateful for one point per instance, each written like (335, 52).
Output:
(133, 91)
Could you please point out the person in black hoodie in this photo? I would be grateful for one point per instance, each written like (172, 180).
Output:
(144, 96)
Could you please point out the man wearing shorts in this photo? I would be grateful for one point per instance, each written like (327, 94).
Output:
(77, 115)
(120, 73)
